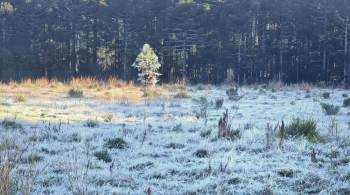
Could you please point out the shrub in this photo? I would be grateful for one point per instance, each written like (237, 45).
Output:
(232, 92)
(103, 155)
(303, 128)
(345, 95)
(218, 103)
(76, 93)
(201, 153)
(20, 98)
(9, 124)
(326, 95)
(116, 143)
(346, 102)
(91, 123)
(330, 109)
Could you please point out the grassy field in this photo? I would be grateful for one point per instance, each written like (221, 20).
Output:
(94, 137)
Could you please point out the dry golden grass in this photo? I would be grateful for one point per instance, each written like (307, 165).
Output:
(109, 90)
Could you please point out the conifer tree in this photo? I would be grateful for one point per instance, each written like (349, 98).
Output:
(147, 64)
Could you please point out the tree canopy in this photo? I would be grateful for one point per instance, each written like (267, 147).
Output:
(196, 40)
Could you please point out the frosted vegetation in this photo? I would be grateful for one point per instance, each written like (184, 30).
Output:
(89, 137)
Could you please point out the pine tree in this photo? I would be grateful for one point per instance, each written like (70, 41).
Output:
(147, 64)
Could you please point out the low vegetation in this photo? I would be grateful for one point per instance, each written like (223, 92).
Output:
(346, 102)
(232, 93)
(182, 94)
(103, 155)
(306, 128)
(92, 123)
(326, 95)
(218, 103)
(20, 98)
(330, 109)
(76, 93)
(116, 143)
(11, 124)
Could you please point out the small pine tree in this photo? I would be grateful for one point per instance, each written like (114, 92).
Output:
(147, 64)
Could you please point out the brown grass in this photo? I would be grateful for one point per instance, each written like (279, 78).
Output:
(109, 90)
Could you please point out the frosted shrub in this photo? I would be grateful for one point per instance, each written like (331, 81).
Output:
(330, 109)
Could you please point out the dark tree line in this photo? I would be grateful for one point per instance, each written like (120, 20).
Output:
(196, 40)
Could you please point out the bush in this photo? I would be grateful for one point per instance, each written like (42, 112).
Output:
(330, 109)
(91, 123)
(218, 103)
(117, 143)
(20, 98)
(9, 124)
(345, 95)
(232, 92)
(202, 153)
(103, 155)
(76, 93)
(303, 128)
(326, 95)
(346, 102)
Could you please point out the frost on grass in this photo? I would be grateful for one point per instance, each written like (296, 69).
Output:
(178, 146)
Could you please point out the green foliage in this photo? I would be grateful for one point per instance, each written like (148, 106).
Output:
(218, 103)
(346, 102)
(76, 93)
(303, 128)
(330, 109)
(147, 64)
(20, 98)
(103, 155)
(116, 143)
(11, 124)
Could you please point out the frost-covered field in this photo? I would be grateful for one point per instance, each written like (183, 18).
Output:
(169, 150)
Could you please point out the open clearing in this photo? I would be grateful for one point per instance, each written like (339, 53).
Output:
(90, 145)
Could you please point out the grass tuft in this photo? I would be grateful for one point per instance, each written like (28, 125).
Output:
(218, 103)
(92, 123)
(346, 102)
(11, 124)
(304, 128)
(103, 155)
(326, 95)
(20, 98)
(330, 109)
(76, 93)
(117, 143)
